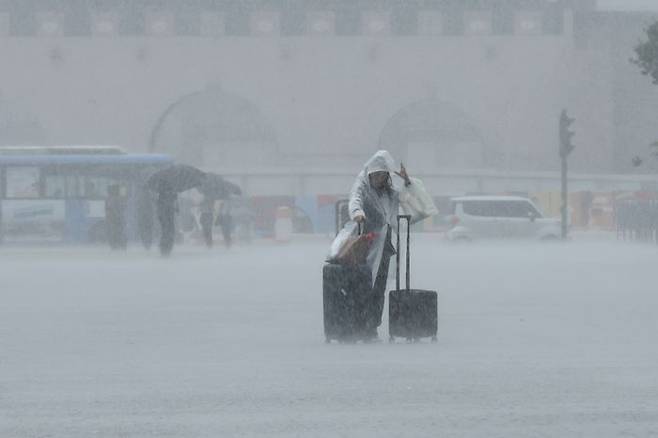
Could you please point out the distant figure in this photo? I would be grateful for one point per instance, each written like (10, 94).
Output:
(207, 219)
(166, 208)
(115, 218)
(225, 221)
(145, 217)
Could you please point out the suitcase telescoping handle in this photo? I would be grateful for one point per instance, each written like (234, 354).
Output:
(407, 257)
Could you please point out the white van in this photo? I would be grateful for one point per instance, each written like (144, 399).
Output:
(477, 217)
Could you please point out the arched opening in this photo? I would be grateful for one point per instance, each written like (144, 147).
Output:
(213, 128)
(431, 134)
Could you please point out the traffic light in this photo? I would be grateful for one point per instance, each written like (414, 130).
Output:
(566, 147)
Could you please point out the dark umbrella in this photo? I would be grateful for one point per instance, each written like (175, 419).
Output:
(179, 178)
(216, 187)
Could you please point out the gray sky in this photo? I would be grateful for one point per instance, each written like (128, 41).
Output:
(629, 5)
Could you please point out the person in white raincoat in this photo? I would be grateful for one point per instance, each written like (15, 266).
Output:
(375, 202)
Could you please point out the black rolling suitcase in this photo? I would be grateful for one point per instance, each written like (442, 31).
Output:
(412, 313)
(343, 290)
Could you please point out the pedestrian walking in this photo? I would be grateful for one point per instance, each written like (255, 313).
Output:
(167, 206)
(115, 218)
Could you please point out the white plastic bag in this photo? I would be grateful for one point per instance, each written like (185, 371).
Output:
(376, 245)
(349, 230)
(415, 201)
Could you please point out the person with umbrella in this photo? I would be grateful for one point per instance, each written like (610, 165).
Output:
(167, 207)
(115, 211)
(206, 219)
(167, 183)
(145, 216)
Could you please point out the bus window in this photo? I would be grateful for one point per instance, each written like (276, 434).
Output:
(22, 182)
(55, 186)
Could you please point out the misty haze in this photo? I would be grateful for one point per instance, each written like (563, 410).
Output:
(329, 218)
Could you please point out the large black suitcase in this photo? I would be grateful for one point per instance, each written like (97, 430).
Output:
(412, 313)
(344, 290)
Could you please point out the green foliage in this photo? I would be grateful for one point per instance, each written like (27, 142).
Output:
(647, 53)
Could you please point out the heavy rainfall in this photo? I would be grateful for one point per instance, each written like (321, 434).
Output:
(364, 218)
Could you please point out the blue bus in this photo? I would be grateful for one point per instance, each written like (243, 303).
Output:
(57, 194)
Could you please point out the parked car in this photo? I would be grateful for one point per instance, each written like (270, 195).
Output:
(478, 217)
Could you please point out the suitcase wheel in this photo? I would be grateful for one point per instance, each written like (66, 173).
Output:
(434, 339)
(391, 340)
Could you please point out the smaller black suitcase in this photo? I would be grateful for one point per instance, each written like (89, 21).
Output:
(412, 313)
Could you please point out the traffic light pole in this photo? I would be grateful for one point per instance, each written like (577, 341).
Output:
(564, 209)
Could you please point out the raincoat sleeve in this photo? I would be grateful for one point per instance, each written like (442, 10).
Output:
(355, 205)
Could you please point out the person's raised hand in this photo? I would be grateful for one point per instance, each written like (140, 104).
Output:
(403, 174)
(359, 217)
